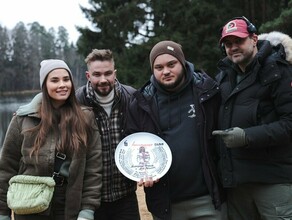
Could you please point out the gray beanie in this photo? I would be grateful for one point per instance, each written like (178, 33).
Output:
(48, 66)
(167, 47)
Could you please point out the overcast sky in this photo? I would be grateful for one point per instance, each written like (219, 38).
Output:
(48, 13)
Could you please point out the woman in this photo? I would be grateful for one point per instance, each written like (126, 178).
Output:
(53, 124)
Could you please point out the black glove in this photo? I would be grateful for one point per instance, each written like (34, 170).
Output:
(232, 137)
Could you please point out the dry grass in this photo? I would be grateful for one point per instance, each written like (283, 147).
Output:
(144, 213)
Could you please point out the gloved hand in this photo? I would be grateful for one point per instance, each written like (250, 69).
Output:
(232, 137)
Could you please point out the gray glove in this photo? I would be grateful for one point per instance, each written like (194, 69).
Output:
(232, 137)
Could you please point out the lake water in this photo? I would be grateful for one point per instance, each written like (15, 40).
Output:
(8, 105)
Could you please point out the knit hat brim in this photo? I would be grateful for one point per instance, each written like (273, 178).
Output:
(167, 47)
(49, 65)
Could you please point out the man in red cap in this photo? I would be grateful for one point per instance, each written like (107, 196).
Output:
(237, 32)
(255, 119)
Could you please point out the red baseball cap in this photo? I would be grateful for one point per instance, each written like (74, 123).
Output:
(236, 27)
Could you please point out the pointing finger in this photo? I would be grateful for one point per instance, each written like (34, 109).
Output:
(218, 132)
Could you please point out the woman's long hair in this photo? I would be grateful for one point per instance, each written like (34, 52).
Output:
(68, 122)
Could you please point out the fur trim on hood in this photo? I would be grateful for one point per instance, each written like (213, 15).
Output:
(276, 38)
(31, 107)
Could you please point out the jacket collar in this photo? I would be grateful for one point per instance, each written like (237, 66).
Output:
(30, 108)
(279, 40)
(204, 83)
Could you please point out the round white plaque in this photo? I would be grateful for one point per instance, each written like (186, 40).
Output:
(143, 155)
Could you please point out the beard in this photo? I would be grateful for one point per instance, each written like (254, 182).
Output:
(244, 58)
(172, 86)
(103, 89)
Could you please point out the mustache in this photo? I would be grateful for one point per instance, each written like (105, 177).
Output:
(103, 84)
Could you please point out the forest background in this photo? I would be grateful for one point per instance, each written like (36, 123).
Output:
(130, 28)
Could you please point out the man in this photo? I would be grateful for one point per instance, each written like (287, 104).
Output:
(109, 100)
(256, 121)
(179, 105)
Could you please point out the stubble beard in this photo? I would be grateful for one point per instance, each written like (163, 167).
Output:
(173, 85)
(104, 91)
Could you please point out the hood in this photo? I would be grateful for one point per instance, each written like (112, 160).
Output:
(276, 38)
(31, 107)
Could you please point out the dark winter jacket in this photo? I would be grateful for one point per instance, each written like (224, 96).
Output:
(115, 185)
(143, 116)
(261, 104)
(124, 92)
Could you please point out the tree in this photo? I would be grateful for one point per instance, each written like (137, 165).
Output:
(62, 43)
(117, 23)
(21, 54)
(130, 28)
(36, 33)
(4, 47)
(283, 23)
(5, 53)
(19, 61)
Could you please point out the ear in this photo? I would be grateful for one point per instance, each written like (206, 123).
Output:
(87, 75)
(255, 38)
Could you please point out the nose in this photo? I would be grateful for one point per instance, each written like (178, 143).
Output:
(103, 78)
(234, 46)
(62, 84)
(165, 71)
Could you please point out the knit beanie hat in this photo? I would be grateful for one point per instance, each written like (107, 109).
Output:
(167, 47)
(48, 66)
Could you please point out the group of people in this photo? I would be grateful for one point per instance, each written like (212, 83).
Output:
(230, 137)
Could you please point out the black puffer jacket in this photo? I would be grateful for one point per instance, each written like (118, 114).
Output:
(143, 116)
(261, 104)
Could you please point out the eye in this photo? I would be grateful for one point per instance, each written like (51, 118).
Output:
(228, 44)
(66, 79)
(108, 73)
(96, 74)
(54, 80)
(238, 41)
(159, 68)
(171, 65)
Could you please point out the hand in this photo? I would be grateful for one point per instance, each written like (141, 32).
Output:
(149, 182)
(232, 137)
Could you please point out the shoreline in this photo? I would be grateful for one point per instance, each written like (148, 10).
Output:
(19, 93)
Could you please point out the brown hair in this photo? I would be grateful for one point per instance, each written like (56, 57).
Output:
(69, 123)
(101, 55)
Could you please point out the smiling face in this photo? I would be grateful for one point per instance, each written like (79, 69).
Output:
(168, 72)
(102, 75)
(59, 86)
(241, 51)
